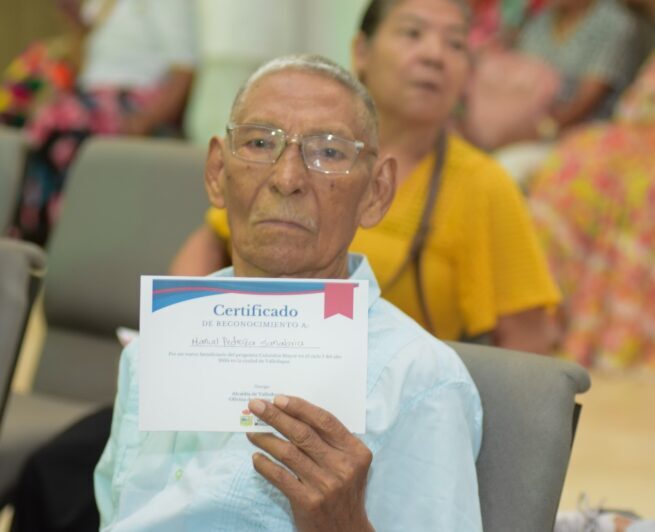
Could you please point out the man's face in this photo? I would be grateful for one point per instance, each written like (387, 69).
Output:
(285, 219)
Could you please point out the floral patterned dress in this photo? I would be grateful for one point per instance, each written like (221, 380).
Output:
(594, 206)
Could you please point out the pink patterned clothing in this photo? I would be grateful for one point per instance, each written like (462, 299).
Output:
(594, 206)
(99, 112)
(56, 132)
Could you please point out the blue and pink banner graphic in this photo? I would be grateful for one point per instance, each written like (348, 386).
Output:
(338, 296)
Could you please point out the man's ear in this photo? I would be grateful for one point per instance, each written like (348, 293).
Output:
(214, 170)
(359, 54)
(382, 190)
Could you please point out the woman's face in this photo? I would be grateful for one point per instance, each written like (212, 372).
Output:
(417, 63)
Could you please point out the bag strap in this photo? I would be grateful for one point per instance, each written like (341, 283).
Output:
(420, 236)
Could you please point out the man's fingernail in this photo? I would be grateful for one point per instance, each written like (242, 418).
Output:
(257, 406)
(281, 400)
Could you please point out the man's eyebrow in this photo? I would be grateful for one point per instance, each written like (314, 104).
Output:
(330, 129)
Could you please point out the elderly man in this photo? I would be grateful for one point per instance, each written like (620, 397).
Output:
(298, 174)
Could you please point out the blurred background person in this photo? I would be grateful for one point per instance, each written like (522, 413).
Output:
(137, 65)
(594, 44)
(593, 201)
(506, 88)
(457, 250)
(570, 64)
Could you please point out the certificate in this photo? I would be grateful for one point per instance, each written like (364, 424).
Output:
(210, 344)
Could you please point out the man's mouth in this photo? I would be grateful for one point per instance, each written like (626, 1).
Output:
(284, 223)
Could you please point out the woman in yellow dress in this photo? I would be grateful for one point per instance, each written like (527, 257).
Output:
(476, 268)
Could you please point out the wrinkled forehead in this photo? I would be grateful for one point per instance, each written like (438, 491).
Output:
(302, 102)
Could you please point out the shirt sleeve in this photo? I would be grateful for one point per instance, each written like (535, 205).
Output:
(423, 474)
(530, 39)
(109, 474)
(520, 268)
(613, 48)
(174, 24)
(503, 268)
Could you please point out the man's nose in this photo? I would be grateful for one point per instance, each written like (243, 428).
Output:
(290, 175)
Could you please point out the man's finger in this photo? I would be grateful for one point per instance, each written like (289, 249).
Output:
(291, 456)
(282, 479)
(297, 432)
(328, 427)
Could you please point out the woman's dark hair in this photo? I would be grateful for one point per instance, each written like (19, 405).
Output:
(374, 15)
(377, 11)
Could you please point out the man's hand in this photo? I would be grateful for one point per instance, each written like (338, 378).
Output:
(327, 466)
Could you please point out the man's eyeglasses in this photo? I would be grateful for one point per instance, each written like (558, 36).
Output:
(325, 153)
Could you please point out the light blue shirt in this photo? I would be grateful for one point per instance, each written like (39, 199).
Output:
(423, 426)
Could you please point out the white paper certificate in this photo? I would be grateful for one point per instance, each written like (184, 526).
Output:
(209, 344)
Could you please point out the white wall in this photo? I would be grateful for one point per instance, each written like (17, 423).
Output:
(237, 36)
(249, 29)
(332, 25)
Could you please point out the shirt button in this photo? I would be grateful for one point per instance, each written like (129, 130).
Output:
(178, 474)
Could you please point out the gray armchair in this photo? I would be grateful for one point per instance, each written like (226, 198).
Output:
(13, 148)
(530, 415)
(22, 266)
(129, 205)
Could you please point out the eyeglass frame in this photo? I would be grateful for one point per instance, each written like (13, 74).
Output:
(360, 146)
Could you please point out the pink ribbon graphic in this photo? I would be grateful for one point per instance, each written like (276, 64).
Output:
(339, 299)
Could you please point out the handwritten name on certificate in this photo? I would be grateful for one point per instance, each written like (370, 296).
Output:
(210, 344)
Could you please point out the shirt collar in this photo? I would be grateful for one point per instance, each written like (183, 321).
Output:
(358, 268)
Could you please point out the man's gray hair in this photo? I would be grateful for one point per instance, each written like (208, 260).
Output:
(322, 66)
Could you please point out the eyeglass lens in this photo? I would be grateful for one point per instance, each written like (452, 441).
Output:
(324, 153)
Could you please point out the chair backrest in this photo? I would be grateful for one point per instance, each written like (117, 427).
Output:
(128, 206)
(13, 148)
(22, 266)
(530, 416)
